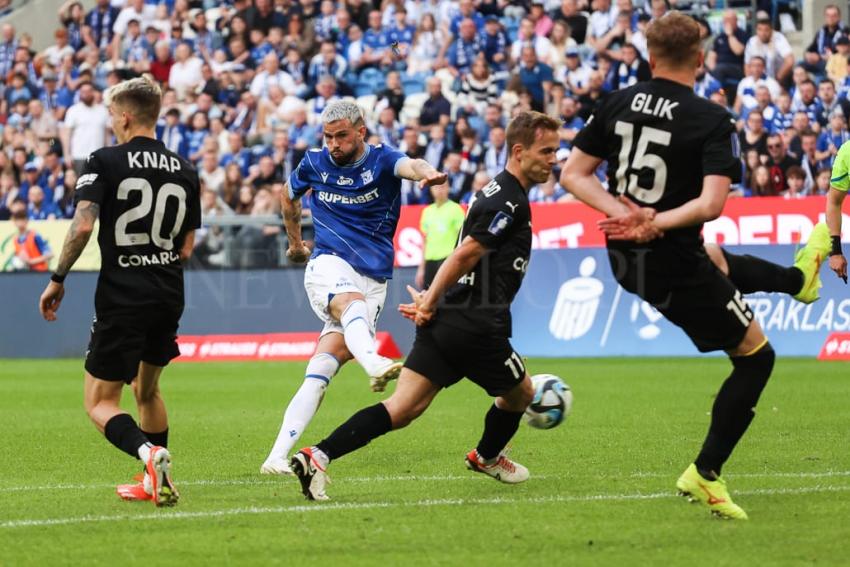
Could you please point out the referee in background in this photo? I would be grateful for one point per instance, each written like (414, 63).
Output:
(440, 223)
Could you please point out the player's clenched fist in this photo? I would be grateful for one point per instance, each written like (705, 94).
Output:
(298, 254)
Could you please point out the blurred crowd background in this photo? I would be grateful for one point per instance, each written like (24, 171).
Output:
(245, 83)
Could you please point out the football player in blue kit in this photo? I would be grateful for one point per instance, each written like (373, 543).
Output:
(355, 201)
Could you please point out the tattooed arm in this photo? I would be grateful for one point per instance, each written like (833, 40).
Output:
(75, 242)
(78, 235)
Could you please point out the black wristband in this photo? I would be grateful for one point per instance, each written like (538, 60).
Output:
(836, 246)
(54, 277)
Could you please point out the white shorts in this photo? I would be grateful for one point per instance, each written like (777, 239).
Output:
(327, 276)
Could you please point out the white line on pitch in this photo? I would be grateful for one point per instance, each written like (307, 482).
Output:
(399, 478)
(333, 506)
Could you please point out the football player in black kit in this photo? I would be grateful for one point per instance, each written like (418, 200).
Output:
(672, 157)
(148, 201)
(464, 321)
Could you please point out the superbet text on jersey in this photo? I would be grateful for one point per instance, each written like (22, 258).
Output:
(149, 199)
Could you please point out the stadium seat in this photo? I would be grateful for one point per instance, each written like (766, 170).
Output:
(413, 85)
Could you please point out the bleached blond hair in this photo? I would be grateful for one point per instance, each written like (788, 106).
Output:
(139, 97)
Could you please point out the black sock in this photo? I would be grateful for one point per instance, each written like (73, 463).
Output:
(158, 439)
(734, 408)
(499, 426)
(123, 432)
(358, 431)
(750, 274)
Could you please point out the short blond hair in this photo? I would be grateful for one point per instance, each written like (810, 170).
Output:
(140, 97)
(674, 39)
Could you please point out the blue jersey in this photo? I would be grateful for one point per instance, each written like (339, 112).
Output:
(355, 207)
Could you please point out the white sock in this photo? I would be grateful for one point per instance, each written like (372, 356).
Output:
(304, 404)
(320, 457)
(358, 336)
(145, 452)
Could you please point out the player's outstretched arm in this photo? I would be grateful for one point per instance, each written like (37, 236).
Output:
(579, 178)
(298, 252)
(837, 261)
(460, 262)
(422, 171)
(706, 207)
(75, 242)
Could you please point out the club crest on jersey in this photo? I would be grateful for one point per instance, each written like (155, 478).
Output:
(366, 176)
(500, 222)
(344, 181)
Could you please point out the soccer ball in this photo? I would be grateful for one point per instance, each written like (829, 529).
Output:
(552, 402)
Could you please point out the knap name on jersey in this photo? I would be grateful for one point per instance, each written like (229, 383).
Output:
(643, 103)
(153, 160)
(336, 198)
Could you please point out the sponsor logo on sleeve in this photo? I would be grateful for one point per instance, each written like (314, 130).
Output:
(500, 222)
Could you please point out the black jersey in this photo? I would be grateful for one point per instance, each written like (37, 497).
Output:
(500, 219)
(660, 139)
(149, 199)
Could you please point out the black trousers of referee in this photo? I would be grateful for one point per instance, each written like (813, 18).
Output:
(431, 267)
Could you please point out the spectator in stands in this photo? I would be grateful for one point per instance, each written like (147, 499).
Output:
(85, 128)
(302, 135)
(459, 181)
(478, 89)
(388, 128)
(282, 154)
(547, 192)
(425, 53)
(808, 157)
(437, 147)
(832, 138)
(32, 252)
(53, 55)
(65, 194)
(479, 182)
(494, 43)
(38, 207)
(773, 48)
(237, 154)
(778, 163)
(561, 42)
(726, 61)
(536, 77)
(185, 73)
(824, 43)
(326, 63)
(754, 135)
(53, 101)
(496, 155)
(298, 36)
(569, 13)
(782, 117)
(572, 122)
(796, 183)
(52, 176)
(233, 181)
(144, 14)
(271, 75)
(592, 98)
(393, 93)
(73, 18)
(602, 20)
(762, 183)
(401, 32)
(100, 21)
(244, 116)
(29, 179)
(262, 15)
(822, 182)
(440, 224)
(264, 174)
(526, 37)
(326, 93)
(436, 109)
(258, 247)
(630, 70)
(195, 137)
(808, 102)
(837, 63)
(745, 98)
(376, 44)
(829, 102)
(464, 49)
(172, 133)
(8, 194)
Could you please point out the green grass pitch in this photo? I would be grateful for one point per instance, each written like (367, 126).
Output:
(601, 491)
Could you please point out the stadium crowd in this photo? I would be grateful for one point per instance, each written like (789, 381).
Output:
(245, 82)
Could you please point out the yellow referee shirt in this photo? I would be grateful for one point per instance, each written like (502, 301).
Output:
(441, 224)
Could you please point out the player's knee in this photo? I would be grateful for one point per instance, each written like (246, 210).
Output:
(403, 415)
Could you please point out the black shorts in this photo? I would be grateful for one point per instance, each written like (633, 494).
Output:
(120, 339)
(700, 299)
(445, 355)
